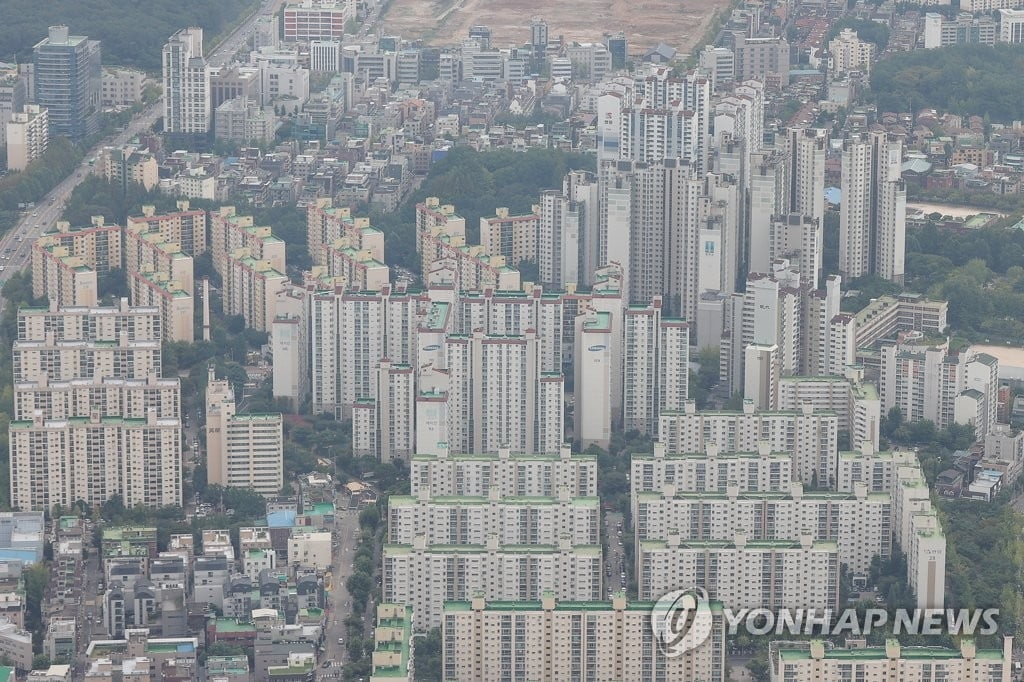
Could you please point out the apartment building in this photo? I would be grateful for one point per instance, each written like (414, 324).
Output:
(289, 339)
(566, 249)
(809, 434)
(355, 268)
(514, 474)
(514, 237)
(185, 227)
(65, 360)
(858, 523)
(927, 381)
(818, 660)
(186, 79)
(242, 450)
(848, 53)
(468, 520)
(28, 135)
(325, 225)
(877, 469)
(230, 232)
(392, 639)
(130, 398)
(425, 576)
(251, 289)
(1011, 26)
(855, 403)
(744, 573)
(177, 309)
(350, 333)
(92, 458)
(805, 185)
(711, 470)
(104, 323)
(64, 279)
(872, 223)
(96, 246)
(148, 251)
(655, 357)
(552, 639)
(92, 417)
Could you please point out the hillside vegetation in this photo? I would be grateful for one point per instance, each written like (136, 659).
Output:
(133, 31)
(963, 79)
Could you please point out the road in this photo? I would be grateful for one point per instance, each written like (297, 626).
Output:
(15, 246)
(339, 603)
(615, 556)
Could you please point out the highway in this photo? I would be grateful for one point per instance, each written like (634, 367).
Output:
(16, 245)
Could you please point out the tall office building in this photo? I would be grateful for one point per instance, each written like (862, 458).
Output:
(872, 226)
(539, 37)
(187, 105)
(67, 80)
(242, 450)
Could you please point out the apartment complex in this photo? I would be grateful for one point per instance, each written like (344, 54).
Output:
(67, 76)
(92, 417)
(242, 450)
(553, 639)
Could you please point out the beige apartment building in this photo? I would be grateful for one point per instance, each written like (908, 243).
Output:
(185, 227)
(242, 450)
(552, 640)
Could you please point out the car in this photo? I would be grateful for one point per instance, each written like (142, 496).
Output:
(327, 664)
(341, 641)
(35, 213)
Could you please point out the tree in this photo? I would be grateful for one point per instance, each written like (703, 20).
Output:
(427, 656)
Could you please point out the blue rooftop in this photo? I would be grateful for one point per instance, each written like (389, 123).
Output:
(281, 519)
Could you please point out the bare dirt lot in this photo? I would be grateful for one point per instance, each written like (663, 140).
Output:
(679, 23)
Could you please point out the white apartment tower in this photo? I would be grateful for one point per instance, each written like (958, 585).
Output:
(655, 361)
(186, 74)
(806, 184)
(872, 227)
(567, 239)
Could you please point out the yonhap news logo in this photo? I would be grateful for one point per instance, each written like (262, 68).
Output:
(681, 621)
